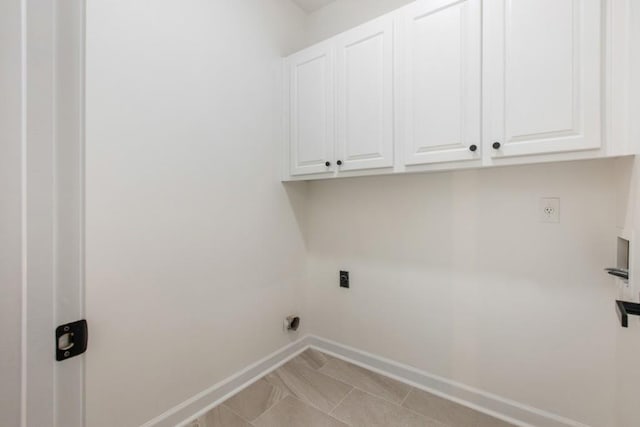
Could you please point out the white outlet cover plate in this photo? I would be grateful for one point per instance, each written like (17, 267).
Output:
(550, 209)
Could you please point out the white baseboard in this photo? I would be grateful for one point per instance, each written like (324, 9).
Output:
(202, 402)
(496, 406)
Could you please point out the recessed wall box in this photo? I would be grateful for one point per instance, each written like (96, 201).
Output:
(621, 269)
(623, 254)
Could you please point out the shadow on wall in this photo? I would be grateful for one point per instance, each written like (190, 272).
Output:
(297, 192)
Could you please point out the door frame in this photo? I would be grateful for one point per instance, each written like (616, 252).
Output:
(69, 303)
(51, 197)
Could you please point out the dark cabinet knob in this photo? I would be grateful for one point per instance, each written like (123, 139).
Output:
(496, 145)
(327, 164)
(473, 147)
(339, 162)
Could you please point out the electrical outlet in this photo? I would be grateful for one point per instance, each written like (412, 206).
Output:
(550, 209)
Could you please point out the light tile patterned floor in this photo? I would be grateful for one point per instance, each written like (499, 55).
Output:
(318, 390)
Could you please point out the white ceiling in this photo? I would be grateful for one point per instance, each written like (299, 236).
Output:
(312, 5)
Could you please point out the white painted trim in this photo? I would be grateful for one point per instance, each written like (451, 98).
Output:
(488, 403)
(491, 404)
(204, 401)
(38, 217)
(23, 209)
(68, 304)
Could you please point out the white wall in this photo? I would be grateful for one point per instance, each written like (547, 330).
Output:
(194, 252)
(342, 15)
(10, 213)
(453, 273)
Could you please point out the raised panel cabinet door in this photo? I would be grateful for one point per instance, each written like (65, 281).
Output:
(542, 74)
(440, 78)
(364, 65)
(311, 120)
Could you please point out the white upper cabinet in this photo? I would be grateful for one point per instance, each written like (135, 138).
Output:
(364, 69)
(311, 115)
(542, 62)
(439, 80)
(445, 84)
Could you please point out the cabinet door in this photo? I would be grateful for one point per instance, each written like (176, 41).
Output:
(365, 96)
(440, 77)
(542, 70)
(311, 118)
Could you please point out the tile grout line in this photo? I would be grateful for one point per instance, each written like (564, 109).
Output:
(300, 396)
(236, 391)
(231, 409)
(355, 357)
(310, 365)
(330, 413)
(262, 414)
(378, 397)
(426, 417)
(294, 394)
(329, 377)
(285, 394)
(386, 399)
(373, 394)
(301, 401)
(406, 397)
(399, 405)
(341, 400)
(274, 404)
(405, 408)
(456, 408)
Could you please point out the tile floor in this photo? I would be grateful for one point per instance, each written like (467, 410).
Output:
(315, 389)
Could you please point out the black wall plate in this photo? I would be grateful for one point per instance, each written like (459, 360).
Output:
(344, 279)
